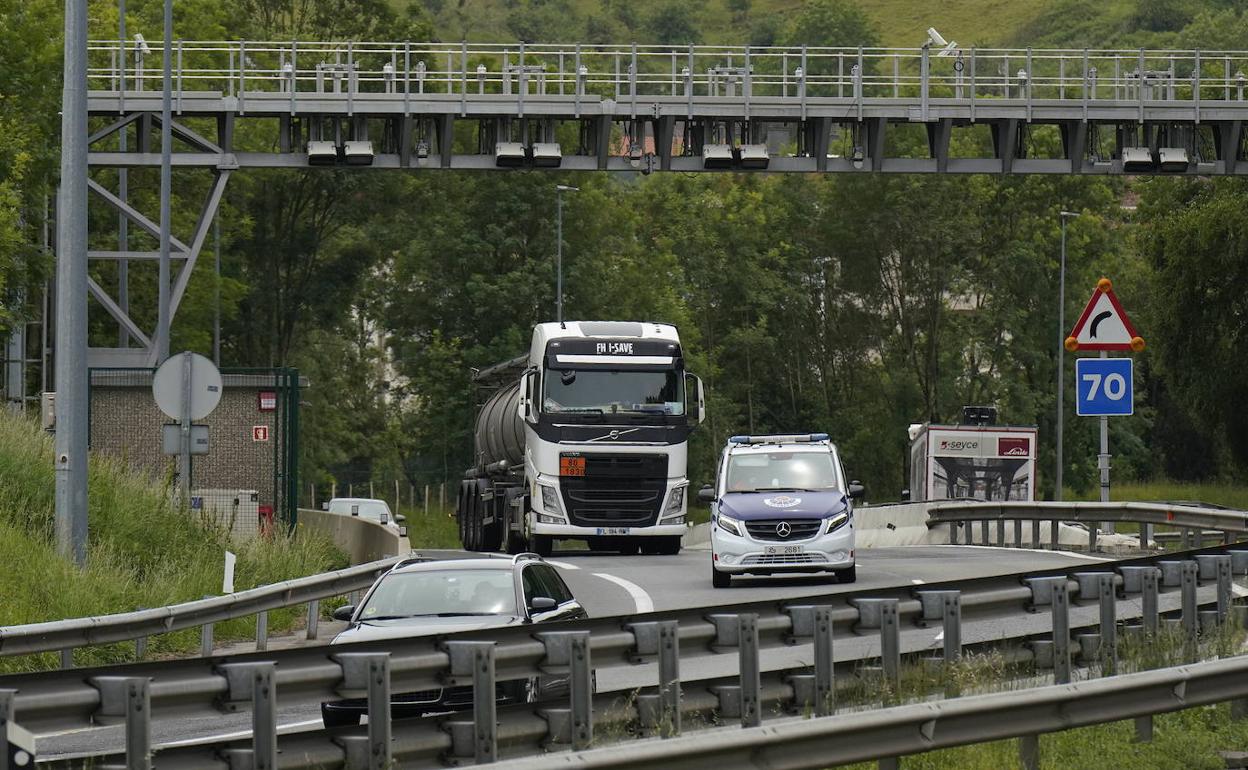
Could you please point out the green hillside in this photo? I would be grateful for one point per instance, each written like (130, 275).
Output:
(142, 552)
(898, 23)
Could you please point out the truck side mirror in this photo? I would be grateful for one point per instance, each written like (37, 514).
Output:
(905, 495)
(527, 396)
(857, 490)
(324, 506)
(697, 404)
(706, 494)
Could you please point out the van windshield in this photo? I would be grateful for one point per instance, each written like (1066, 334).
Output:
(762, 471)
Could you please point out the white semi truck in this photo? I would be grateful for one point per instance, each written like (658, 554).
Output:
(585, 438)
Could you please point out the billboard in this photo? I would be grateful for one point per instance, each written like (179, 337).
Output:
(973, 462)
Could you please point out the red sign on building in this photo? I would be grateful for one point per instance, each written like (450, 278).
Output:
(1014, 446)
(266, 401)
(259, 433)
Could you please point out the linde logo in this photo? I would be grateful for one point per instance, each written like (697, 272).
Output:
(615, 348)
(1014, 447)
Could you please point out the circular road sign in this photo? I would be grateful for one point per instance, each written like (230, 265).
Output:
(169, 385)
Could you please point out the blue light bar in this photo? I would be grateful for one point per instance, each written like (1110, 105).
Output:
(792, 438)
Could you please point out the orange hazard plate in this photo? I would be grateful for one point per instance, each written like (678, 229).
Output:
(571, 466)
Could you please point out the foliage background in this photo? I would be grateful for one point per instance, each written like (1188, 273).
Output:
(855, 306)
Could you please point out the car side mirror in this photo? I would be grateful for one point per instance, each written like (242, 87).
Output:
(403, 531)
(856, 490)
(400, 518)
(542, 603)
(706, 494)
(905, 495)
(344, 612)
(324, 506)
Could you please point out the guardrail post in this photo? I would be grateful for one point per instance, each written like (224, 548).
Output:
(67, 657)
(1035, 533)
(256, 681)
(476, 659)
(262, 630)
(1144, 729)
(1018, 533)
(1000, 533)
(1055, 528)
(1099, 586)
(661, 638)
(953, 533)
(883, 614)
(1029, 752)
(817, 690)
(6, 715)
(747, 646)
(983, 532)
(741, 700)
(314, 618)
(568, 652)
(1146, 534)
(128, 698)
(1217, 567)
(1053, 592)
(369, 671)
(1143, 581)
(1191, 625)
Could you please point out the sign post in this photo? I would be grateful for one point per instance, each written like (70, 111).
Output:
(1104, 385)
(187, 387)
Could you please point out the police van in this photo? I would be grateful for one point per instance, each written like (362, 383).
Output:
(781, 504)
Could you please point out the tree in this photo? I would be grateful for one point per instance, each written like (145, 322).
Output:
(837, 23)
(673, 22)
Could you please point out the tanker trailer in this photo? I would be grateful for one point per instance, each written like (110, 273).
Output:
(585, 438)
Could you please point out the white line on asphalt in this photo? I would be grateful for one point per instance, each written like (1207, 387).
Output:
(562, 564)
(917, 581)
(640, 597)
(1238, 590)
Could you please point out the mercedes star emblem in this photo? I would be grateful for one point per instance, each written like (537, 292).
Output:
(783, 529)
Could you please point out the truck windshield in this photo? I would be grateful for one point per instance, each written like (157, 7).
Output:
(813, 471)
(609, 391)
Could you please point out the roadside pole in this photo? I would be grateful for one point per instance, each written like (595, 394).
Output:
(1102, 461)
(72, 391)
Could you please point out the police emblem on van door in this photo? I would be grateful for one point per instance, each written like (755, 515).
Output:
(783, 501)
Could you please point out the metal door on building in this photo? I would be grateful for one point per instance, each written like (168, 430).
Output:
(248, 478)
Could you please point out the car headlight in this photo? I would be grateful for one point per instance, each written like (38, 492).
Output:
(729, 525)
(675, 503)
(836, 522)
(550, 499)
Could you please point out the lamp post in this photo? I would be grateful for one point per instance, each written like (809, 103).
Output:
(560, 189)
(1061, 355)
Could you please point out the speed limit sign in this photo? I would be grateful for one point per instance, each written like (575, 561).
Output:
(1104, 386)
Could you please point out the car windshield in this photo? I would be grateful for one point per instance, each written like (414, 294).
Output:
(372, 509)
(607, 391)
(757, 471)
(444, 592)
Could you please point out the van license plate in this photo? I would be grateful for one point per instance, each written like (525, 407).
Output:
(614, 530)
(772, 550)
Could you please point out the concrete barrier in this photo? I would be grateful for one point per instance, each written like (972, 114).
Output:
(361, 539)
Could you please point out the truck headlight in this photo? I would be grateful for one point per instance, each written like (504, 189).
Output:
(675, 504)
(836, 522)
(731, 526)
(550, 499)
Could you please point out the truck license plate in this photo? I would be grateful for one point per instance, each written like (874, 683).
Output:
(613, 530)
(772, 550)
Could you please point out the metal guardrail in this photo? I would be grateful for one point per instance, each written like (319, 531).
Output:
(798, 744)
(244, 68)
(66, 635)
(305, 677)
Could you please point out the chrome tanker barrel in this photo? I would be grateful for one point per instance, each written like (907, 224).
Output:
(500, 431)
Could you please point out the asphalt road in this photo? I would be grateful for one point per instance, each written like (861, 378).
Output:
(609, 584)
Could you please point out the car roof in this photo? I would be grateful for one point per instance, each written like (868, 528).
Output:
(789, 446)
(418, 562)
(356, 500)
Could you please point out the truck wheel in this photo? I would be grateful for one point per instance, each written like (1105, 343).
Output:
(720, 579)
(515, 543)
(628, 547)
(474, 521)
(542, 545)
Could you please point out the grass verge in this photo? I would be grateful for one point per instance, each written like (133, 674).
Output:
(142, 552)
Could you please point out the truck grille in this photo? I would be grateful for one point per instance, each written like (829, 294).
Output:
(799, 529)
(616, 490)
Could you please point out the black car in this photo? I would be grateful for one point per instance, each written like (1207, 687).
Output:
(423, 595)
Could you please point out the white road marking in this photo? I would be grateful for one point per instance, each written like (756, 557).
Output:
(562, 564)
(917, 581)
(1238, 590)
(640, 597)
(1071, 554)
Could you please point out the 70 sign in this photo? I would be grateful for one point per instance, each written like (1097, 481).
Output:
(1105, 387)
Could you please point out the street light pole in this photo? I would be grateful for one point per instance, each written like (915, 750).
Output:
(560, 189)
(1061, 357)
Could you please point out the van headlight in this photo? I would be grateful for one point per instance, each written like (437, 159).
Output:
(729, 525)
(836, 522)
(675, 505)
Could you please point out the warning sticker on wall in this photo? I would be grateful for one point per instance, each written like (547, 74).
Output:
(259, 433)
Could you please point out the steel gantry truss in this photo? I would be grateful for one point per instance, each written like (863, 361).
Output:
(645, 108)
